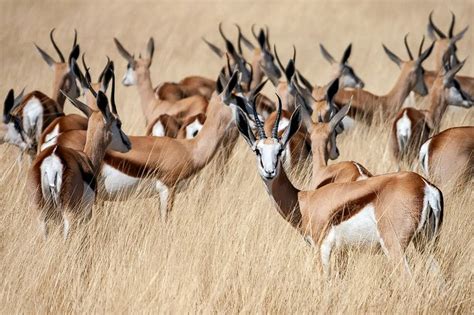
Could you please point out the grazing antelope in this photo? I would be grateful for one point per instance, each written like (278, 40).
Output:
(37, 110)
(444, 43)
(387, 211)
(169, 126)
(449, 156)
(342, 70)
(166, 91)
(166, 161)
(366, 106)
(412, 126)
(63, 180)
(74, 121)
(138, 72)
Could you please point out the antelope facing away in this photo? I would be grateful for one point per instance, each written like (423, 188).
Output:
(412, 126)
(388, 210)
(63, 180)
(449, 156)
(138, 73)
(367, 106)
(10, 130)
(37, 110)
(163, 161)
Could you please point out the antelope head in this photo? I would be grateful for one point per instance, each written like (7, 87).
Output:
(11, 130)
(412, 69)
(442, 41)
(63, 74)
(265, 56)
(105, 120)
(446, 87)
(268, 150)
(136, 67)
(343, 71)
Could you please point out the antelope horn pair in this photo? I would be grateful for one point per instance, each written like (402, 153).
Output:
(259, 124)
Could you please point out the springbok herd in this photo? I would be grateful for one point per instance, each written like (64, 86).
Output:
(78, 159)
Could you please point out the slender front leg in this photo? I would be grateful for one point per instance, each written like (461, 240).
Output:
(166, 199)
(43, 224)
(325, 251)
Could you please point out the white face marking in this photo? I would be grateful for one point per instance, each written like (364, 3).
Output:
(118, 138)
(455, 98)
(424, 157)
(158, 129)
(347, 81)
(193, 128)
(51, 178)
(12, 136)
(268, 157)
(130, 77)
(403, 131)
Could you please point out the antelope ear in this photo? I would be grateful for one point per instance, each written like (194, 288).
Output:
(107, 75)
(103, 105)
(336, 119)
(261, 38)
(347, 54)
(459, 35)
(78, 104)
(425, 54)
(244, 127)
(326, 54)
(8, 105)
(332, 90)
(214, 48)
(122, 51)
(226, 95)
(392, 56)
(47, 58)
(449, 75)
(295, 122)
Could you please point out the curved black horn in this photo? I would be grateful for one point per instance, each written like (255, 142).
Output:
(437, 30)
(258, 123)
(294, 54)
(420, 50)
(253, 32)
(112, 91)
(451, 27)
(101, 75)
(86, 69)
(267, 37)
(61, 57)
(405, 40)
(74, 43)
(278, 58)
(277, 120)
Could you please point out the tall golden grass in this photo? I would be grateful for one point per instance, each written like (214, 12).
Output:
(225, 248)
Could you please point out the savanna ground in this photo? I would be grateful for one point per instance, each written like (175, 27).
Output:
(225, 248)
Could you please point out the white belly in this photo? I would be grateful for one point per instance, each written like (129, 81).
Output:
(361, 229)
(115, 182)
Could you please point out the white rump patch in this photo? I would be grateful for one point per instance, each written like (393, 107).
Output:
(51, 178)
(403, 131)
(33, 117)
(158, 129)
(424, 157)
(193, 129)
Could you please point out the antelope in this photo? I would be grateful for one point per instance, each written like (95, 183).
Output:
(444, 43)
(388, 211)
(366, 105)
(342, 70)
(73, 121)
(138, 72)
(166, 161)
(63, 180)
(37, 110)
(448, 156)
(11, 131)
(168, 126)
(166, 91)
(412, 126)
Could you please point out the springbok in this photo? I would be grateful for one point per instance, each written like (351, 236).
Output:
(10, 130)
(166, 161)
(74, 121)
(388, 210)
(444, 43)
(63, 180)
(449, 156)
(37, 110)
(138, 73)
(342, 70)
(367, 106)
(412, 126)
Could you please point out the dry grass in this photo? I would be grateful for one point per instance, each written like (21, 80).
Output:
(225, 248)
